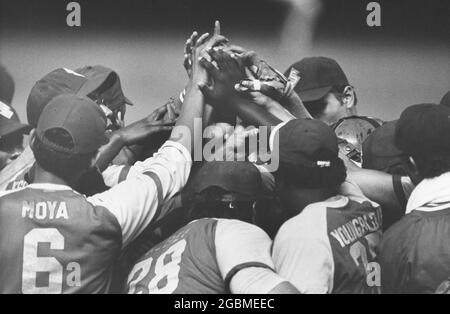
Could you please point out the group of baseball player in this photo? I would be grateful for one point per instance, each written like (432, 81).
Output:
(91, 205)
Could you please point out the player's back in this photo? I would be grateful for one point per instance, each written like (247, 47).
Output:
(354, 232)
(331, 247)
(183, 263)
(207, 256)
(52, 240)
(415, 253)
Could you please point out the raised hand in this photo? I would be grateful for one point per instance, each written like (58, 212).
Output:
(197, 47)
(227, 73)
(141, 130)
(187, 62)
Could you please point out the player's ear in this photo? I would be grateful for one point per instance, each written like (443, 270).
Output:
(349, 97)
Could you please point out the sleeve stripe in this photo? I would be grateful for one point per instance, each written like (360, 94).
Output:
(124, 173)
(158, 184)
(239, 267)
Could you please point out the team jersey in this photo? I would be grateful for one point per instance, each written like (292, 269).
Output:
(54, 240)
(415, 252)
(202, 257)
(331, 246)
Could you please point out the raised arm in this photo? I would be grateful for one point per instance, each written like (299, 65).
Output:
(193, 105)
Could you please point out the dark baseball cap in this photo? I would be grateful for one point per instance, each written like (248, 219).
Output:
(445, 101)
(238, 177)
(318, 75)
(305, 142)
(58, 82)
(9, 121)
(109, 82)
(77, 115)
(379, 151)
(424, 129)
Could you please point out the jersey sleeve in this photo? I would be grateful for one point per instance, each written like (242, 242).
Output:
(136, 201)
(302, 252)
(240, 245)
(115, 174)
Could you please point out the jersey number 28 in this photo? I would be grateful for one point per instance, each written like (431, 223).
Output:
(163, 269)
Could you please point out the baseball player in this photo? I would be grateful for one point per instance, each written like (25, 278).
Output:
(220, 250)
(331, 243)
(49, 217)
(324, 89)
(415, 252)
(97, 84)
(57, 82)
(54, 240)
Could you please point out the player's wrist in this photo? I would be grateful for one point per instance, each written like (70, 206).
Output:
(119, 138)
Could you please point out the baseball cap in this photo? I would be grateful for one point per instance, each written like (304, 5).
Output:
(379, 151)
(240, 177)
(445, 101)
(58, 82)
(9, 121)
(108, 82)
(318, 75)
(424, 129)
(77, 115)
(305, 142)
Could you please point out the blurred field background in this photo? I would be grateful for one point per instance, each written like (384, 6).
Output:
(405, 61)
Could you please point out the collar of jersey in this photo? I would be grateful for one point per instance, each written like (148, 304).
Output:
(431, 194)
(49, 186)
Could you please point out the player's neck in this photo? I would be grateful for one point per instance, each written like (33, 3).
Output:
(298, 199)
(42, 176)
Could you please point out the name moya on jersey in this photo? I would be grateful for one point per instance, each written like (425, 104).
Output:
(44, 210)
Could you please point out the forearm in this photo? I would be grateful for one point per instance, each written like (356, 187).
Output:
(254, 114)
(295, 106)
(279, 111)
(109, 151)
(191, 111)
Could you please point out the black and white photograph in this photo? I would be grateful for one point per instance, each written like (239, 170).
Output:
(224, 152)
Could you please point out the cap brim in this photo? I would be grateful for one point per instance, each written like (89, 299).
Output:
(231, 176)
(314, 94)
(93, 83)
(15, 128)
(128, 101)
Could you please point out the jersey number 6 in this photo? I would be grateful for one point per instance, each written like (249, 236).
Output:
(32, 264)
